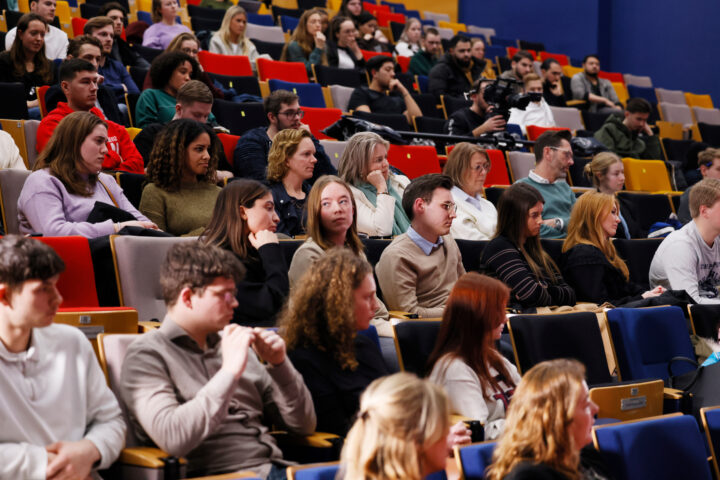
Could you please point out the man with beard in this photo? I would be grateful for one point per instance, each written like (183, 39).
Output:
(455, 73)
(598, 92)
(251, 152)
(520, 65)
(556, 86)
(423, 61)
(476, 119)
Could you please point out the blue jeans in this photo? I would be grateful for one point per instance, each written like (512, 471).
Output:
(277, 473)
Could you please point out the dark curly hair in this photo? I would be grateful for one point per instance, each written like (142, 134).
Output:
(321, 310)
(167, 159)
(165, 64)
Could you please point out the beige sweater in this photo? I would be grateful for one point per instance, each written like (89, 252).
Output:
(417, 283)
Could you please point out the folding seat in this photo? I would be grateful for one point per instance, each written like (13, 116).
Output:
(422, 82)
(498, 174)
(147, 53)
(569, 70)
(670, 96)
(671, 130)
(309, 4)
(199, 24)
(488, 32)
(531, 46)
(562, 59)
(368, 54)
(239, 117)
(11, 183)
(676, 113)
(428, 104)
(704, 320)
(89, 10)
(612, 76)
(241, 83)
(647, 208)
(414, 160)
(637, 80)
(404, 63)
(320, 118)
(414, 341)
(14, 105)
(290, 12)
(30, 128)
(621, 92)
(504, 42)
(492, 51)
(348, 77)
(638, 254)
(452, 104)
(144, 16)
(695, 100)
(648, 93)
(260, 19)
(319, 471)
(427, 15)
(445, 34)
(266, 33)
(311, 94)
(78, 24)
(568, 117)
(138, 75)
(395, 121)
(250, 6)
(646, 175)
(710, 418)
(231, 65)
(429, 125)
(289, 24)
(341, 96)
(520, 164)
(711, 116)
(374, 8)
(593, 121)
(511, 51)
(534, 131)
(288, 71)
(456, 27)
(384, 18)
(676, 149)
(334, 149)
(228, 142)
(710, 134)
(196, 11)
(474, 459)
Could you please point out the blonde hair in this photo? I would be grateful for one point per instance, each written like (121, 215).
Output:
(704, 193)
(354, 161)
(284, 146)
(315, 228)
(458, 161)
(600, 165)
(408, 24)
(538, 420)
(224, 30)
(585, 227)
(530, 77)
(399, 415)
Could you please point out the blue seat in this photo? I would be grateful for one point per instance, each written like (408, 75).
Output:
(422, 81)
(397, 7)
(515, 129)
(288, 24)
(260, 19)
(320, 471)
(144, 16)
(646, 339)
(648, 93)
(711, 422)
(662, 448)
(311, 94)
(505, 42)
(414, 341)
(430, 23)
(492, 51)
(413, 14)
(371, 333)
(474, 459)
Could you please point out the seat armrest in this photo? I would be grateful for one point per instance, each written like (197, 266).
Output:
(149, 457)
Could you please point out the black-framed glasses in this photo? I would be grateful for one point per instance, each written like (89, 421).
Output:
(293, 113)
(567, 153)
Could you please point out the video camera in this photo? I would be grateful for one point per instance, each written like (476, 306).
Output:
(499, 95)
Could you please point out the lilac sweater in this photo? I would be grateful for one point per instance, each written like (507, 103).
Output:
(46, 207)
(159, 35)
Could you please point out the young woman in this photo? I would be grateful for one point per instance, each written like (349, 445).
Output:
(409, 43)
(352, 9)
(478, 379)
(548, 423)
(607, 173)
(26, 62)
(342, 50)
(367, 26)
(181, 190)
(164, 29)
(66, 187)
(291, 162)
(168, 72)
(244, 221)
(378, 193)
(516, 257)
(589, 262)
(400, 431)
(468, 165)
(307, 43)
(231, 39)
(477, 51)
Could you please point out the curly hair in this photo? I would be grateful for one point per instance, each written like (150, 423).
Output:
(284, 146)
(165, 64)
(43, 66)
(320, 312)
(168, 156)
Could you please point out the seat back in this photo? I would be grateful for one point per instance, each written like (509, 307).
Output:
(594, 120)
(395, 121)
(16, 129)
(645, 340)
(537, 338)
(705, 320)
(695, 100)
(670, 130)
(534, 131)
(239, 117)
(232, 65)
(289, 24)
(638, 255)
(452, 104)
(498, 174)
(137, 264)
(229, 142)
(429, 125)
(561, 58)
(648, 93)
(676, 113)
(647, 208)
(637, 80)
(310, 94)
(710, 133)
(488, 32)
(288, 71)
(313, 471)
(646, 175)
(347, 77)
(427, 15)
(662, 448)
(77, 282)
(241, 83)
(415, 341)
(568, 117)
(30, 128)
(414, 160)
(261, 19)
(320, 118)
(676, 97)
(14, 105)
(265, 33)
(274, 49)
(520, 164)
(334, 149)
(710, 417)
(707, 115)
(474, 459)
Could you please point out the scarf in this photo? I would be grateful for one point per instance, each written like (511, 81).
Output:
(400, 220)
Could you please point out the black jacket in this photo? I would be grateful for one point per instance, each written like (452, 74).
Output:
(448, 78)
(331, 53)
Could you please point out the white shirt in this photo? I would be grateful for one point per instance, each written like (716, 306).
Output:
(406, 49)
(536, 113)
(56, 42)
(344, 60)
(476, 217)
(9, 153)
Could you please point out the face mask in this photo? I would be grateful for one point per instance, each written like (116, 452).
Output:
(535, 96)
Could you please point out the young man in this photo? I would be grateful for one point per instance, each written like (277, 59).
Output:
(374, 99)
(553, 156)
(476, 119)
(79, 83)
(60, 419)
(208, 397)
(689, 258)
(423, 61)
(56, 41)
(556, 86)
(419, 268)
(520, 65)
(283, 111)
(455, 73)
(631, 136)
(598, 92)
(121, 50)
(538, 111)
(709, 166)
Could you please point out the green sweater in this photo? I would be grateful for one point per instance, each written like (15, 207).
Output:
(157, 106)
(295, 53)
(559, 201)
(421, 63)
(618, 138)
(217, 4)
(183, 213)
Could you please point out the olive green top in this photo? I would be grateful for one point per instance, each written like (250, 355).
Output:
(183, 213)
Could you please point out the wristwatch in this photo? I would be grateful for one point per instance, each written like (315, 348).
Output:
(558, 224)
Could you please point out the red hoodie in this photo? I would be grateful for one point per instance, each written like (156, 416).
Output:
(122, 153)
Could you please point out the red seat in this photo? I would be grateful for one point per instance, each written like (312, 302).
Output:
(367, 54)
(78, 24)
(229, 142)
(288, 71)
(511, 51)
(561, 59)
(41, 91)
(498, 174)
(533, 131)
(319, 118)
(404, 63)
(231, 65)
(384, 18)
(77, 282)
(414, 160)
(194, 2)
(375, 9)
(612, 76)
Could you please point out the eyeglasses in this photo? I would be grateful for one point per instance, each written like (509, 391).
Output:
(449, 207)
(482, 166)
(566, 153)
(293, 113)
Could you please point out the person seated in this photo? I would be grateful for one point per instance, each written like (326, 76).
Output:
(244, 222)
(164, 27)
(424, 60)
(418, 269)
(332, 222)
(554, 156)
(65, 193)
(307, 43)
(374, 99)
(520, 65)
(216, 4)
(455, 73)
(282, 108)
(121, 49)
(589, 262)
(689, 259)
(556, 86)
(467, 166)
(607, 174)
(538, 111)
(55, 40)
(631, 136)
(708, 162)
(377, 191)
(477, 51)
(367, 26)
(409, 43)
(516, 257)
(478, 379)
(231, 39)
(10, 153)
(291, 163)
(79, 84)
(181, 192)
(342, 50)
(62, 420)
(25, 61)
(598, 92)
(402, 431)
(332, 302)
(477, 119)
(203, 396)
(548, 423)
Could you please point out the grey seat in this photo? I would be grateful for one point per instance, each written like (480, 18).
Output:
(568, 117)
(11, 184)
(436, 16)
(30, 128)
(488, 32)
(710, 116)
(637, 80)
(677, 113)
(520, 164)
(264, 33)
(670, 96)
(341, 96)
(334, 150)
